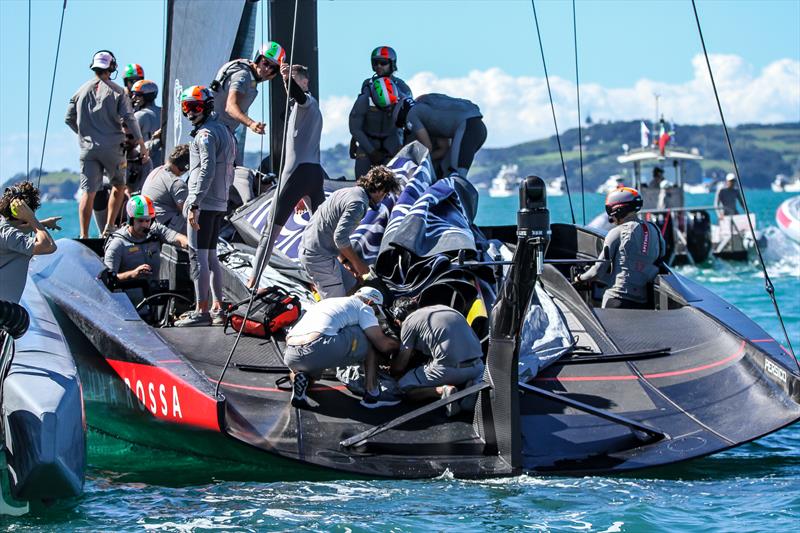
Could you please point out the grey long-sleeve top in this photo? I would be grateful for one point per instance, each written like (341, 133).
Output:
(367, 124)
(96, 112)
(332, 224)
(211, 156)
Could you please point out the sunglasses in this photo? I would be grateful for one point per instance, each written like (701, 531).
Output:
(380, 62)
(192, 107)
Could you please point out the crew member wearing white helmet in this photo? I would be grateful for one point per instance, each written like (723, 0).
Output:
(631, 252)
(339, 332)
(96, 113)
(727, 197)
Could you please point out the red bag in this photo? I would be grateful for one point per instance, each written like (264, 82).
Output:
(273, 309)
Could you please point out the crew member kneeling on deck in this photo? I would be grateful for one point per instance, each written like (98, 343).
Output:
(452, 349)
(325, 249)
(631, 253)
(338, 332)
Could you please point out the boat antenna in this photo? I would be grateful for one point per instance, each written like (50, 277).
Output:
(264, 259)
(52, 86)
(553, 109)
(578, 94)
(768, 286)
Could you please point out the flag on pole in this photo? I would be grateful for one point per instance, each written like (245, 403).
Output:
(663, 136)
(645, 133)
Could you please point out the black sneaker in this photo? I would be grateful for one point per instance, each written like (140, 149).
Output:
(372, 400)
(299, 388)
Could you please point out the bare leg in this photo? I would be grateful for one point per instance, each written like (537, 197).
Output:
(115, 200)
(85, 213)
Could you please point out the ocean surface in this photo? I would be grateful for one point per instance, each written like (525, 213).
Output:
(755, 487)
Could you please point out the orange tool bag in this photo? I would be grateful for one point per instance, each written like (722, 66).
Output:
(273, 309)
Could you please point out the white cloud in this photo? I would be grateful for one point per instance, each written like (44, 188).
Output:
(517, 109)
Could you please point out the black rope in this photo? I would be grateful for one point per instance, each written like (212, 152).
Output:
(768, 286)
(553, 109)
(258, 268)
(52, 86)
(578, 94)
(263, 8)
(28, 136)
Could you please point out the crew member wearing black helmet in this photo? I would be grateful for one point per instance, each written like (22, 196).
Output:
(168, 191)
(148, 115)
(96, 113)
(376, 138)
(235, 90)
(631, 253)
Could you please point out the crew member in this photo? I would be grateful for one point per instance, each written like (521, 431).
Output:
(211, 156)
(168, 191)
(376, 139)
(134, 251)
(436, 116)
(21, 237)
(452, 352)
(133, 72)
(302, 175)
(325, 250)
(631, 253)
(96, 113)
(148, 115)
(235, 88)
(339, 332)
(658, 177)
(727, 197)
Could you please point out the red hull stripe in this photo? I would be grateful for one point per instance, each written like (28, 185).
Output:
(168, 397)
(685, 371)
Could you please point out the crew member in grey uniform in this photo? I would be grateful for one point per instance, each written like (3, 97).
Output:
(211, 156)
(451, 349)
(441, 117)
(21, 237)
(376, 139)
(168, 191)
(302, 176)
(325, 249)
(148, 115)
(96, 113)
(134, 251)
(631, 253)
(727, 197)
(236, 86)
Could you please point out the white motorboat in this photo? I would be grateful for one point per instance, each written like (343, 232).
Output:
(610, 184)
(784, 184)
(506, 183)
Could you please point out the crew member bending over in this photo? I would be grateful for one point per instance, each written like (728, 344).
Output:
(168, 191)
(631, 253)
(452, 351)
(325, 249)
(338, 332)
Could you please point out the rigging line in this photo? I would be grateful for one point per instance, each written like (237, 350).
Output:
(768, 286)
(264, 259)
(578, 94)
(28, 136)
(262, 8)
(553, 109)
(52, 87)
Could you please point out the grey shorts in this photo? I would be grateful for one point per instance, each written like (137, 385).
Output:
(434, 374)
(348, 347)
(94, 163)
(329, 275)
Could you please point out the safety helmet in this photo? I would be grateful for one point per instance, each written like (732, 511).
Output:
(140, 206)
(622, 201)
(145, 88)
(369, 295)
(133, 70)
(272, 51)
(383, 92)
(387, 53)
(104, 59)
(197, 96)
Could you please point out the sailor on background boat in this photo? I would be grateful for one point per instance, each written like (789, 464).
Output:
(452, 352)
(325, 249)
(339, 332)
(134, 251)
(236, 86)
(148, 115)
(303, 175)
(631, 252)
(375, 137)
(727, 197)
(133, 72)
(168, 191)
(21, 237)
(95, 113)
(211, 156)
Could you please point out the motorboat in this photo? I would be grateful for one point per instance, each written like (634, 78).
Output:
(706, 186)
(788, 218)
(617, 390)
(610, 184)
(505, 183)
(784, 184)
(556, 186)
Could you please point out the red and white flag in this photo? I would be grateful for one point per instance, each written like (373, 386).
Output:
(645, 133)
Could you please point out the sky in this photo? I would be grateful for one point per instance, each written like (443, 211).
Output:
(486, 51)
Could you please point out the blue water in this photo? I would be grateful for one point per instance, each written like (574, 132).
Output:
(755, 487)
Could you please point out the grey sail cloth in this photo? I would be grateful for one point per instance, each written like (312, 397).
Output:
(545, 337)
